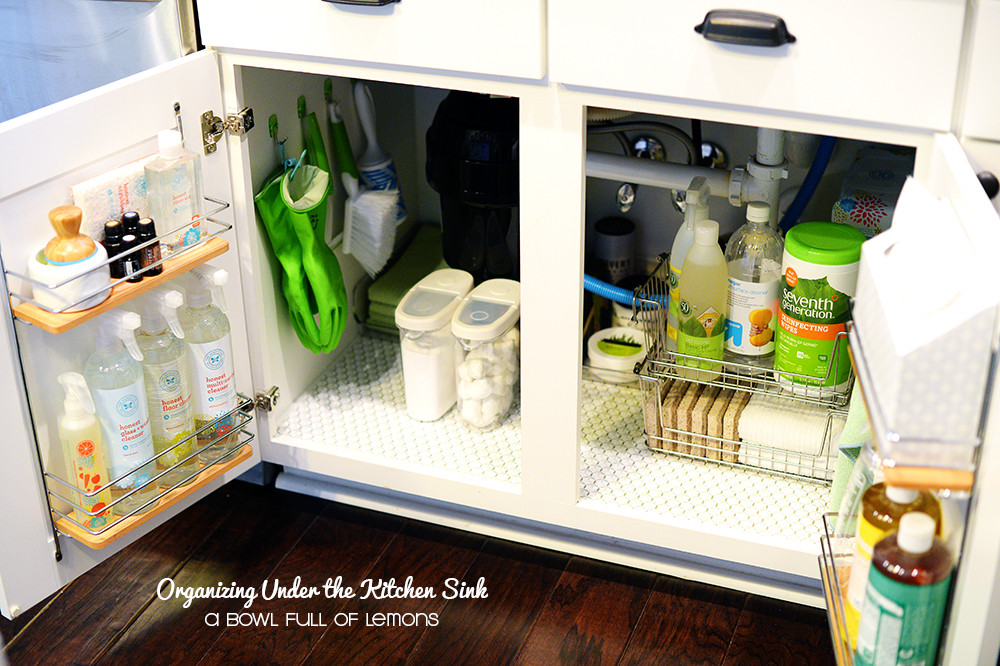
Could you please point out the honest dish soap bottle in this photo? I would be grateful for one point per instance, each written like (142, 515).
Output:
(168, 386)
(703, 304)
(81, 438)
(173, 185)
(210, 358)
(753, 259)
(696, 200)
(114, 376)
(906, 596)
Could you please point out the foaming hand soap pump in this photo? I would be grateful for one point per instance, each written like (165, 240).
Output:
(167, 380)
(210, 359)
(84, 449)
(114, 376)
(69, 254)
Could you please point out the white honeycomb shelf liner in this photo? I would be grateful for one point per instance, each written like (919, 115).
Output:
(620, 473)
(359, 406)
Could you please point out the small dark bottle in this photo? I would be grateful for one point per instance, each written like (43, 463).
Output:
(151, 253)
(113, 232)
(130, 221)
(130, 259)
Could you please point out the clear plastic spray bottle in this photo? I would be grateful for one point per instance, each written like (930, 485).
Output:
(168, 386)
(115, 379)
(210, 358)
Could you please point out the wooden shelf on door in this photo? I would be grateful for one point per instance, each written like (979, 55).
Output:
(122, 293)
(169, 499)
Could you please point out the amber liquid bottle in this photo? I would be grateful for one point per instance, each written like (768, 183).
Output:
(882, 507)
(907, 593)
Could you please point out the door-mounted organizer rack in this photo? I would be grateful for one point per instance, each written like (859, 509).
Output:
(835, 567)
(209, 246)
(719, 442)
(907, 460)
(64, 508)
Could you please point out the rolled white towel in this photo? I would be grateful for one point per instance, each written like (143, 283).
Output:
(790, 435)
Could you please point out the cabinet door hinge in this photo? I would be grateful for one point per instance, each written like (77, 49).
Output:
(213, 127)
(265, 401)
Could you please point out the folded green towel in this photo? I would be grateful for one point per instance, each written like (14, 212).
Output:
(855, 433)
(421, 257)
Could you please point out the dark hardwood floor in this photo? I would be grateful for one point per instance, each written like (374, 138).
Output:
(542, 607)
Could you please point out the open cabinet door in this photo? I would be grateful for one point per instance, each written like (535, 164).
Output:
(971, 636)
(46, 152)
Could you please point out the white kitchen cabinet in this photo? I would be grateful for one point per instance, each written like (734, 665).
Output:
(500, 39)
(857, 61)
(568, 469)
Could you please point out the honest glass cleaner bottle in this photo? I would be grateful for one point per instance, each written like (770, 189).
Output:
(168, 386)
(210, 358)
(115, 379)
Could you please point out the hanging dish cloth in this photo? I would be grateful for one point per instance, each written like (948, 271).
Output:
(292, 205)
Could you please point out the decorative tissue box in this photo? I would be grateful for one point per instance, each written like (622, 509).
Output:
(925, 313)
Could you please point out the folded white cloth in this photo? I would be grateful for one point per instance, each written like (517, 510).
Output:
(788, 436)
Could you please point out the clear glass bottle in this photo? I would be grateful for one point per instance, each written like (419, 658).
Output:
(753, 259)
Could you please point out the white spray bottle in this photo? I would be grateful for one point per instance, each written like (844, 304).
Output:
(81, 438)
(696, 198)
(210, 358)
(168, 385)
(114, 376)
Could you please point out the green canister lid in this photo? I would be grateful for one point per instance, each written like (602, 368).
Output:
(825, 243)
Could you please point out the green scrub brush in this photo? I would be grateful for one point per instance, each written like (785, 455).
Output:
(369, 215)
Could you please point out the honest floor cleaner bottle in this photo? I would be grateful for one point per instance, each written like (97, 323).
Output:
(703, 304)
(882, 507)
(753, 259)
(696, 200)
(168, 386)
(115, 379)
(81, 438)
(210, 358)
(906, 596)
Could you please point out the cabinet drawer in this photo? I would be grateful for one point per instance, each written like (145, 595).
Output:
(499, 38)
(890, 61)
(981, 116)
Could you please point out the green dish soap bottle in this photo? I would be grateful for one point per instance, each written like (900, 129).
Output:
(704, 291)
(907, 593)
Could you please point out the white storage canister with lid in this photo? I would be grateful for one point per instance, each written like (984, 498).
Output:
(428, 349)
(486, 326)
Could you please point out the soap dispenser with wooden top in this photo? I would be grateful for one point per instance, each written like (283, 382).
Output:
(68, 246)
(73, 256)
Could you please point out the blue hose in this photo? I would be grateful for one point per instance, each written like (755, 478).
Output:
(809, 184)
(616, 294)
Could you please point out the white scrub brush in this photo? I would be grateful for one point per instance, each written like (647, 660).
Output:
(369, 215)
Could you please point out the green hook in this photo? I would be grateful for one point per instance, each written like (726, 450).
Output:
(302, 106)
(328, 89)
(272, 126)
